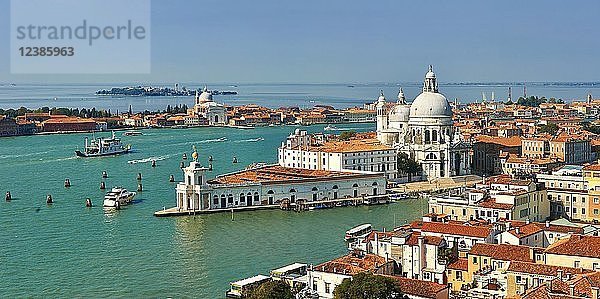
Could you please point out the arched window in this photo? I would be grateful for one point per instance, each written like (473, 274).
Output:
(242, 198)
(374, 184)
(256, 196)
(216, 199)
(315, 189)
(293, 195)
(434, 135)
(335, 191)
(230, 198)
(427, 136)
(355, 185)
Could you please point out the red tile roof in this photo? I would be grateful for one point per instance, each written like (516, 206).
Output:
(421, 288)
(492, 204)
(456, 229)
(351, 265)
(460, 264)
(541, 269)
(576, 245)
(503, 252)
(275, 174)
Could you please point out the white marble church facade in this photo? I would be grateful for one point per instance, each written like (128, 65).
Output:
(205, 107)
(424, 130)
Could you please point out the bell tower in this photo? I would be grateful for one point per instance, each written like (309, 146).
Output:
(381, 113)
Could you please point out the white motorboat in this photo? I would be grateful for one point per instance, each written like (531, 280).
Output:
(117, 197)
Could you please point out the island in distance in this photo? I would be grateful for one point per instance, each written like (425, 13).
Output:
(149, 91)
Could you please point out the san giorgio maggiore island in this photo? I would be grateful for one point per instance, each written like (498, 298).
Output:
(512, 189)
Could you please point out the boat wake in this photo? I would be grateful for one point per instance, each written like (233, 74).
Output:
(149, 159)
(222, 139)
(21, 155)
(251, 140)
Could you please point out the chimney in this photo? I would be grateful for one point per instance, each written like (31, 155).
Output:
(517, 230)
(595, 292)
(559, 274)
(527, 221)
(572, 289)
(547, 223)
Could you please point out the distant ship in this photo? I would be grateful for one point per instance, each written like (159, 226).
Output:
(103, 147)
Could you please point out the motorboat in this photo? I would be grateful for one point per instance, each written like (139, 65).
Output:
(118, 197)
(133, 133)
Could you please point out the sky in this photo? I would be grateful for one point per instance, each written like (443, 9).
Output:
(346, 41)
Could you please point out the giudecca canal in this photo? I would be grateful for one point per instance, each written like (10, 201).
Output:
(68, 250)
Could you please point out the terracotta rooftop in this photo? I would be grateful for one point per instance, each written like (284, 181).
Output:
(455, 229)
(70, 120)
(514, 141)
(275, 174)
(460, 264)
(492, 204)
(503, 252)
(351, 265)
(592, 167)
(576, 245)
(352, 145)
(541, 269)
(506, 180)
(413, 240)
(421, 288)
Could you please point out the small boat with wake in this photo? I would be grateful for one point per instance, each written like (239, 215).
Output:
(330, 128)
(117, 197)
(133, 133)
(103, 147)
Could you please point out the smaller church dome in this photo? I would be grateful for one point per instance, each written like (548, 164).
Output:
(206, 96)
(400, 113)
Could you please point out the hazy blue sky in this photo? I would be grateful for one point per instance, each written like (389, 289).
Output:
(359, 41)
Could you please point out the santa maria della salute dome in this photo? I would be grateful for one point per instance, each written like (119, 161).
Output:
(424, 131)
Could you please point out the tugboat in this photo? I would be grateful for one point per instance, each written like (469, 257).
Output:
(103, 147)
(118, 197)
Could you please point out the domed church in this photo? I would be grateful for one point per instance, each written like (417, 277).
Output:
(424, 131)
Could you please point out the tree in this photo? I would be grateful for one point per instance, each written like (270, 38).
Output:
(550, 128)
(368, 286)
(274, 289)
(347, 135)
(408, 166)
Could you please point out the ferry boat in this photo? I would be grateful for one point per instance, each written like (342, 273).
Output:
(118, 197)
(103, 147)
(358, 231)
(133, 133)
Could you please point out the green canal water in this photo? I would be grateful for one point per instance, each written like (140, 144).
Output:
(68, 250)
